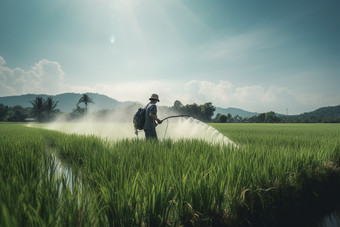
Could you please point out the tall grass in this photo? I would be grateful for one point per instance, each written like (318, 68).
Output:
(276, 171)
(31, 193)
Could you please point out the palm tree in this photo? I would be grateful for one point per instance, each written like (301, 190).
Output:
(76, 113)
(86, 100)
(50, 106)
(38, 108)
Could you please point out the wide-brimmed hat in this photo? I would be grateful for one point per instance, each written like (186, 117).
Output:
(154, 97)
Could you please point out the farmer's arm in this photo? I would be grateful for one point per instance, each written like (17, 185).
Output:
(155, 118)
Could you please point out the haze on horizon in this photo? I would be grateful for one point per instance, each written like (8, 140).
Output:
(255, 55)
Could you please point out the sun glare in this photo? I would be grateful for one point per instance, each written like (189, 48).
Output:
(112, 39)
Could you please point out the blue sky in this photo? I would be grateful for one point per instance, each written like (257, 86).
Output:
(255, 55)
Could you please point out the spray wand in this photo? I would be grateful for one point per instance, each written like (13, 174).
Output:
(183, 115)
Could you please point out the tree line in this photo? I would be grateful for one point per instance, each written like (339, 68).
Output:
(206, 111)
(45, 110)
(270, 117)
(202, 112)
(42, 110)
(15, 113)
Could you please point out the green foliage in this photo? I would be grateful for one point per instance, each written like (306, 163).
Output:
(38, 108)
(42, 109)
(201, 112)
(13, 114)
(222, 118)
(3, 111)
(50, 106)
(177, 105)
(269, 117)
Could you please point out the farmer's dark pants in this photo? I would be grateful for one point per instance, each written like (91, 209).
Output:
(150, 134)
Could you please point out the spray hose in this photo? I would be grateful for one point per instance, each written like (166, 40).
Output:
(183, 115)
(166, 129)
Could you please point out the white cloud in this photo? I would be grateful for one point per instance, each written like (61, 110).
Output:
(49, 75)
(45, 77)
(205, 91)
(4, 89)
(11, 80)
(2, 61)
(249, 94)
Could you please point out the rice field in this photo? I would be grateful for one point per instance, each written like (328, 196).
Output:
(276, 175)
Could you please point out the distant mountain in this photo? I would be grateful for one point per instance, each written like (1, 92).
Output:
(67, 101)
(324, 114)
(330, 114)
(234, 112)
(330, 111)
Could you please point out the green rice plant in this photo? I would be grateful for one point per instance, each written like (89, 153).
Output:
(32, 194)
(276, 171)
(252, 174)
(19, 176)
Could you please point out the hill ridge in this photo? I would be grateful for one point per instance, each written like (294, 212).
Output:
(67, 101)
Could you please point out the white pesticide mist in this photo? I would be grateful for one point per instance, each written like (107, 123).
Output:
(190, 128)
(118, 125)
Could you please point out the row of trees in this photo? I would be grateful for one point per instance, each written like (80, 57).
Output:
(201, 112)
(41, 110)
(206, 111)
(269, 117)
(221, 118)
(45, 110)
(15, 113)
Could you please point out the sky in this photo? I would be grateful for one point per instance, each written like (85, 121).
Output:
(256, 55)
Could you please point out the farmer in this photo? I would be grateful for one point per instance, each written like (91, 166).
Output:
(151, 117)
